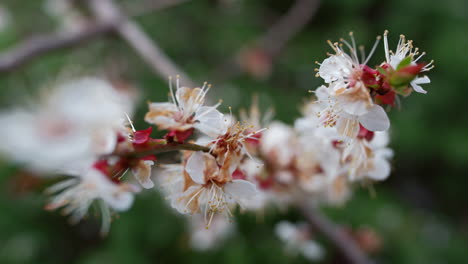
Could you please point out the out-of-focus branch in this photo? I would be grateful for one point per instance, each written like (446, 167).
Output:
(346, 245)
(114, 21)
(40, 45)
(149, 51)
(288, 26)
(149, 6)
(269, 45)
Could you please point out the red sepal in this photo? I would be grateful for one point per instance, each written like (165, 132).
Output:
(387, 98)
(239, 175)
(365, 134)
(412, 69)
(149, 157)
(266, 183)
(141, 137)
(254, 140)
(102, 166)
(121, 138)
(178, 136)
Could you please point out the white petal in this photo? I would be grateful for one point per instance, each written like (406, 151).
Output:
(354, 107)
(335, 68)
(161, 114)
(162, 107)
(421, 80)
(189, 99)
(381, 169)
(119, 201)
(322, 93)
(376, 119)
(196, 167)
(210, 121)
(187, 202)
(241, 191)
(348, 127)
(142, 173)
(104, 141)
(380, 140)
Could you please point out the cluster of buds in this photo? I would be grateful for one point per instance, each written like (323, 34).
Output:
(83, 130)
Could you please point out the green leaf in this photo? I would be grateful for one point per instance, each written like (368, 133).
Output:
(405, 62)
(382, 71)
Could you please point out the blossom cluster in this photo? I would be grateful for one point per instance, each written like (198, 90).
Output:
(83, 129)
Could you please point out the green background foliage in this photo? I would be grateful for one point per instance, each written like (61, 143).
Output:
(420, 213)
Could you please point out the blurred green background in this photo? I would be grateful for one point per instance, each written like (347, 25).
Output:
(419, 213)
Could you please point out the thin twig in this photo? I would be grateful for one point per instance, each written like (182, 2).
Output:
(274, 39)
(340, 240)
(149, 51)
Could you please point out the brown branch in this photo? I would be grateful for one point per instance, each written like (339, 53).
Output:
(149, 6)
(168, 148)
(46, 43)
(149, 51)
(340, 239)
(40, 45)
(274, 39)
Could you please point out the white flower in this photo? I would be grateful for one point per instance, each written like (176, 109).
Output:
(278, 144)
(230, 146)
(318, 163)
(171, 179)
(77, 122)
(77, 194)
(346, 101)
(341, 70)
(297, 240)
(187, 111)
(203, 238)
(208, 191)
(369, 157)
(338, 113)
(403, 50)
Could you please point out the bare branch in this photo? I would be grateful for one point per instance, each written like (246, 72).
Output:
(149, 6)
(149, 51)
(275, 38)
(168, 147)
(340, 240)
(40, 45)
(288, 26)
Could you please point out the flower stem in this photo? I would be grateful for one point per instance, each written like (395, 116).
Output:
(168, 147)
(345, 244)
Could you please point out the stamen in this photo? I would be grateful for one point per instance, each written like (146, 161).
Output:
(420, 56)
(192, 198)
(332, 46)
(130, 121)
(363, 52)
(387, 55)
(373, 49)
(174, 101)
(429, 66)
(353, 41)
